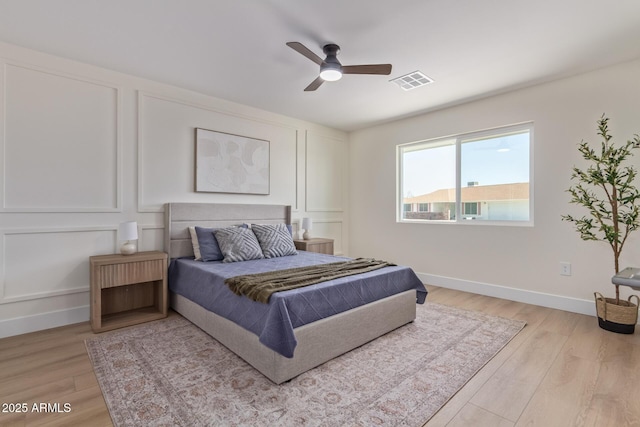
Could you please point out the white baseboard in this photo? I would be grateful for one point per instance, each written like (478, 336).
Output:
(53, 319)
(559, 302)
(38, 322)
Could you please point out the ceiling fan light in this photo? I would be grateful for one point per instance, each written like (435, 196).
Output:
(330, 75)
(330, 72)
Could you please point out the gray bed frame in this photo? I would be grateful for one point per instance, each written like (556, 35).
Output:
(318, 342)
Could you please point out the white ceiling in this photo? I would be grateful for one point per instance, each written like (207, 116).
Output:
(235, 49)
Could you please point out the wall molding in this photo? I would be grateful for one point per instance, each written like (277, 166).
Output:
(307, 201)
(43, 294)
(226, 112)
(61, 229)
(295, 207)
(141, 237)
(34, 230)
(117, 133)
(141, 95)
(328, 221)
(38, 322)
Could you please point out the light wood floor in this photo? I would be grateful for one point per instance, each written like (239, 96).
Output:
(561, 370)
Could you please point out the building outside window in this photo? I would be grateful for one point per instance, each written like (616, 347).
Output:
(480, 176)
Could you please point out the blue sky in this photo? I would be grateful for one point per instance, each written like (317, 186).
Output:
(489, 161)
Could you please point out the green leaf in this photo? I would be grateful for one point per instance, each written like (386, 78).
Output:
(606, 189)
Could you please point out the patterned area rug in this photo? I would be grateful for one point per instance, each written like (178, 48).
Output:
(171, 373)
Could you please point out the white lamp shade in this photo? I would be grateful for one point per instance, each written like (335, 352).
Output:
(307, 224)
(128, 231)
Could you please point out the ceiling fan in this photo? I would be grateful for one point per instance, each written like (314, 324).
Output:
(331, 69)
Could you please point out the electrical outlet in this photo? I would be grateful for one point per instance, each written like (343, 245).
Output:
(565, 269)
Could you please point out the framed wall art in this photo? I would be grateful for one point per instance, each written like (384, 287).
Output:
(227, 163)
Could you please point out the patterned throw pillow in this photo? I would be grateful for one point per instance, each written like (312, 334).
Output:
(275, 240)
(238, 244)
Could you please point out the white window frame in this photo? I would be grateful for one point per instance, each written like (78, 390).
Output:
(459, 140)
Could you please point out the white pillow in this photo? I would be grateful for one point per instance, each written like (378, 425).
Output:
(194, 242)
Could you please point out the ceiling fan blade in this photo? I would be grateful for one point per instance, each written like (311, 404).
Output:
(384, 69)
(314, 84)
(303, 50)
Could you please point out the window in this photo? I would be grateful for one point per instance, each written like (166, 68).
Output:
(471, 208)
(481, 176)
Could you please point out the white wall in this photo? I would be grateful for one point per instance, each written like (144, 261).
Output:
(85, 148)
(520, 263)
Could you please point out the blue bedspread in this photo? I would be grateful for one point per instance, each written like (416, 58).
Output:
(273, 323)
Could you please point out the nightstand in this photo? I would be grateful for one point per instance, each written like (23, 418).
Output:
(319, 245)
(128, 289)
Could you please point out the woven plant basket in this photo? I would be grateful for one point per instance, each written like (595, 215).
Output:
(620, 318)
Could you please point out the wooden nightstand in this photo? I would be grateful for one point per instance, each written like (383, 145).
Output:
(321, 246)
(128, 289)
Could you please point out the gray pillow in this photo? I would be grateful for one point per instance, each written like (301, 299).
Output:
(275, 240)
(238, 244)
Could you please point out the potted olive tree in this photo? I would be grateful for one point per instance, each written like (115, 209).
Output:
(606, 189)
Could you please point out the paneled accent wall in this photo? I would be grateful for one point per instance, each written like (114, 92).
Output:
(326, 186)
(85, 148)
(61, 142)
(326, 167)
(41, 263)
(166, 151)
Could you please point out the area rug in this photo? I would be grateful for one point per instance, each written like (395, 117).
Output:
(170, 373)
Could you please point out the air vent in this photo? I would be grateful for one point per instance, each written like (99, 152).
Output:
(412, 80)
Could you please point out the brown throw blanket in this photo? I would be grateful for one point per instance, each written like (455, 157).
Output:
(260, 286)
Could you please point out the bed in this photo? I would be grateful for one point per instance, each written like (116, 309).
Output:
(308, 339)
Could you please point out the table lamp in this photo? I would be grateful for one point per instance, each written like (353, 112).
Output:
(307, 225)
(127, 232)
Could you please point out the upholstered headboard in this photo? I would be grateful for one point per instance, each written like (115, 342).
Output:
(178, 217)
